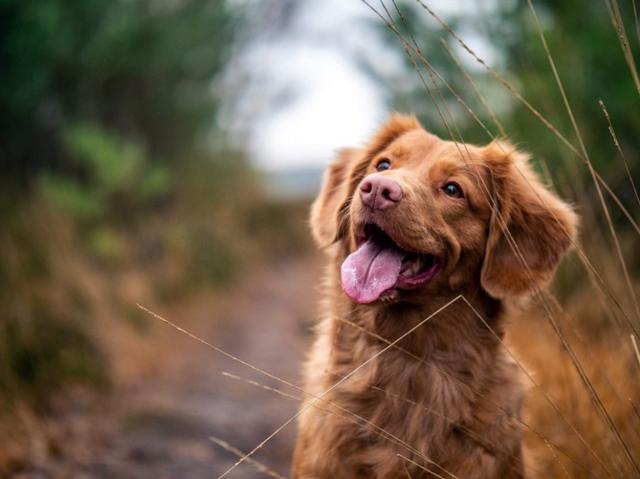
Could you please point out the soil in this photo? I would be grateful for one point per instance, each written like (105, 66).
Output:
(160, 424)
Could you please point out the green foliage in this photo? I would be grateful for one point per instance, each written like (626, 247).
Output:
(592, 67)
(114, 185)
(113, 164)
(44, 353)
(104, 105)
(44, 339)
(111, 171)
(141, 68)
(589, 60)
(69, 195)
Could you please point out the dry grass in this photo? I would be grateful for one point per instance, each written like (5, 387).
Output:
(609, 364)
(581, 418)
(584, 368)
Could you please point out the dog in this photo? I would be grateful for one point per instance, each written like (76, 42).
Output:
(428, 242)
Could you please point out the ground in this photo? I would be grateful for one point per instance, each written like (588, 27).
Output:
(160, 424)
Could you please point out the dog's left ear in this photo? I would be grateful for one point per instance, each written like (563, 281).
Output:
(540, 227)
(328, 217)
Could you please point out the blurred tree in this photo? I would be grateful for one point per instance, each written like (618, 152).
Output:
(114, 163)
(586, 51)
(143, 69)
(104, 106)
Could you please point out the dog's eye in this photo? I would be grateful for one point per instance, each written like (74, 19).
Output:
(383, 165)
(453, 189)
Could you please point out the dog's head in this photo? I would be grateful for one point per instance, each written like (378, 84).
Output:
(417, 215)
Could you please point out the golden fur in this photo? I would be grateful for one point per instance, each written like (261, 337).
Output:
(448, 396)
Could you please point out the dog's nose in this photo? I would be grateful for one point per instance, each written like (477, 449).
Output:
(379, 192)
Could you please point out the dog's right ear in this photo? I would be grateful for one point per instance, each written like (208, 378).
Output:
(326, 215)
(330, 210)
(531, 227)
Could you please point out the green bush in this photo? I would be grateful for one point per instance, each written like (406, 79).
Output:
(42, 353)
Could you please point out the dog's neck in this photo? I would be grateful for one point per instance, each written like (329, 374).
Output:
(452, 341)
(439, 323)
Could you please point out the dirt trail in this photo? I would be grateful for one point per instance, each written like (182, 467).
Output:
(159, 427)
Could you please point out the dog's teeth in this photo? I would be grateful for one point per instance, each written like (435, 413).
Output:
(412, 267)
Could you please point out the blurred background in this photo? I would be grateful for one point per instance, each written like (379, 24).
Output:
(164, 153)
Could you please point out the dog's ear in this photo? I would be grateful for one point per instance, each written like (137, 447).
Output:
(326, 211)
(329, 210)
(540, 227)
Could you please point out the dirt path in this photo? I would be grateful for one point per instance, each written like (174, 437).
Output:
(160, 426)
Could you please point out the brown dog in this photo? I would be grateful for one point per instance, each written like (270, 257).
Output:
(411, 223)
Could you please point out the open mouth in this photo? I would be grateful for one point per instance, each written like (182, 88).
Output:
(379, 265)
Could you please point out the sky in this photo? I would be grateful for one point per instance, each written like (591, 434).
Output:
(308, 96)
(312, 97)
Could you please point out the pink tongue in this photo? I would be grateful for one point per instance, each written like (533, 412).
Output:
(371, 270)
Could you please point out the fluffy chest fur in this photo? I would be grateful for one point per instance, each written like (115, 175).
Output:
(446, 397)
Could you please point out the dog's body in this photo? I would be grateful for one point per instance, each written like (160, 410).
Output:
(454, 399)
(423, 237)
